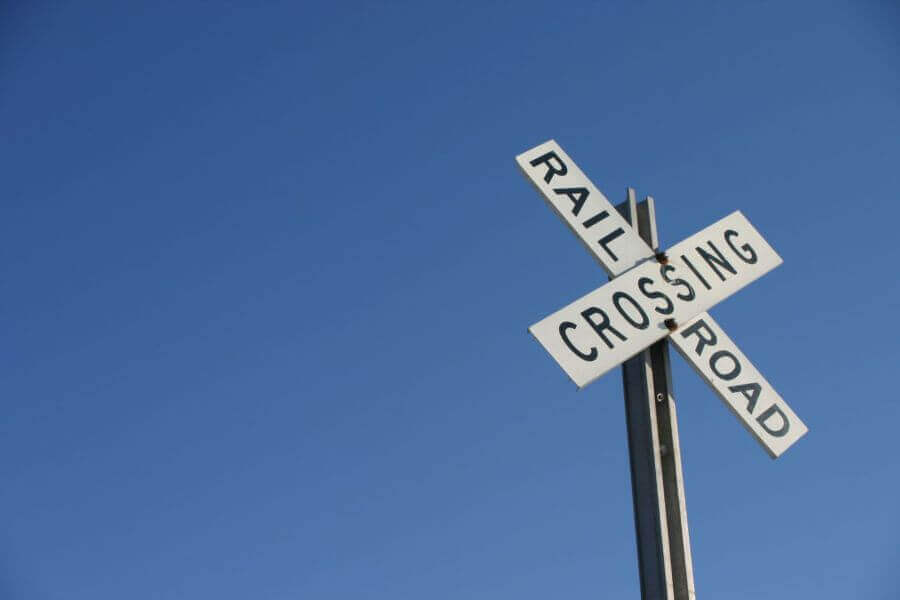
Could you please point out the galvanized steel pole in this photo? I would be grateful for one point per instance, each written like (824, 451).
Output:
(660, 516)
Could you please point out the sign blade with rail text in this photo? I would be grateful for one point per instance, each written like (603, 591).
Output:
(613, 323)
(744, 390)
(587, 212)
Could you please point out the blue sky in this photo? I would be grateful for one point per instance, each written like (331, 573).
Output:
(267, 270)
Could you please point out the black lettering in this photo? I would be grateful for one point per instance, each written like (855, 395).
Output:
(643, 284)
(602, 325)
(551, 171)
(691, 267)
(578, 196)
(645, 320)
(719, 260)
(605, 240)
(750, 256)
(714, 362)
(695, 329)
(595, 219)
(769, 412)
(751, 392)
(664, 272)
(563, 327)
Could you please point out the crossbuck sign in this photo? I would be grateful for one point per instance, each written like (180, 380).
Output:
(653, 296)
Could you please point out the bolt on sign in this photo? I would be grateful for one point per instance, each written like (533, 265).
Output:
(656, 296)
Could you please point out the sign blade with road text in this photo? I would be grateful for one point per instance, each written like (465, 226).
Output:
(613, 323)
(748, 395)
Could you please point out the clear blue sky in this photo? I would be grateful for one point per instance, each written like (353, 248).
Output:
(267, 270)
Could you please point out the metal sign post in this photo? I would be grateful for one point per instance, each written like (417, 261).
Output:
(660, 515)
(653, 296)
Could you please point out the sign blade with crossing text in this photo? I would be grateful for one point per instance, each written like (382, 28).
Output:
(618, 320)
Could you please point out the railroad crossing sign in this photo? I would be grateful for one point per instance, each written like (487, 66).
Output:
(653, 297)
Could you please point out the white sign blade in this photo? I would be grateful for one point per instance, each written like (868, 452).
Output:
(739, 384)
(587, 212)
(618, 320)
